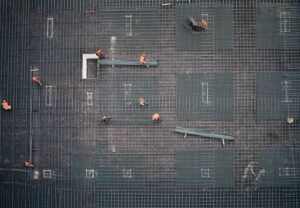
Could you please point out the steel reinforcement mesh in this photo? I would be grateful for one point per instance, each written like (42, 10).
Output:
(238, 78)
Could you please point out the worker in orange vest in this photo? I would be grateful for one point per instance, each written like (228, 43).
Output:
(105, 118)
(5, 105)
(142, 102)
(100, 54)
(203, 24)
(155, 117)
(143, 58)
(37, 81)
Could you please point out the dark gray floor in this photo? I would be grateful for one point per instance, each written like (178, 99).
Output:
(135, 160)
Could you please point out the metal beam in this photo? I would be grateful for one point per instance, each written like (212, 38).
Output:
(203, 134)
(104, 62)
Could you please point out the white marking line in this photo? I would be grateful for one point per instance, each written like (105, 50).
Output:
(127, 173)
(205, 92)
(89, 97)
(47, 174)
(48, 97)
(49, 27)
(85, 57)
(89, 173)
(285, 22)
(205, 173)
(287, 171)
(128, 25)
(205, 16)
(113, 41)
(127, 93)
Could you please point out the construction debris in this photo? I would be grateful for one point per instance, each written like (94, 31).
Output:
(90, 11)
(290, 120)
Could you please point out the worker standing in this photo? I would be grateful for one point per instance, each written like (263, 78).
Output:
(203, 24)
(37, 81)
(142, 102)
(5, 105)
(100, 54)
(143, 58)
(155, 117)
(105, 119)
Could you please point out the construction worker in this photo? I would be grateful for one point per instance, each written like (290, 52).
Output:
(143, 58)
(203, 24)
(105, 118)
(5, 105)
(28, 164)
(37, 81)
(142, 102)
(100, 54)
(155, 117)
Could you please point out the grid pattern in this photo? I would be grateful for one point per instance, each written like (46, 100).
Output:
(277, 95)
(58, 126)
(219, 31)
(204, 96)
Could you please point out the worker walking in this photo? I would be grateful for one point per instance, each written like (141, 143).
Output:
(143, 58)
(105, 119)
(142, 102)
(37, 81)
(155, 117)
(5, 105)
(203, 24)
(100, 54)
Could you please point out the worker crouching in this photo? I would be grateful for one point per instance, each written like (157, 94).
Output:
(142, 58)
(142, 102)
(28, 164)
(5, 105)
(100, 54)
(37, 80)
(155, 117)
(105, 119)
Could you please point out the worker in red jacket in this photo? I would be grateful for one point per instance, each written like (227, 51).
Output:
(203, 24)
(5, 105)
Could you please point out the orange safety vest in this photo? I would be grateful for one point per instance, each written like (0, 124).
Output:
(105, 118)
(155, 117)
(99, 53)
(35, 79)
(141, 101)
(142, 58)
